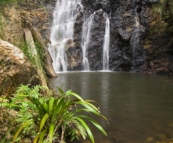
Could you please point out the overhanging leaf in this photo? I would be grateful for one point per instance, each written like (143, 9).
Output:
(69, 93)
(95, 124)
(86, 128)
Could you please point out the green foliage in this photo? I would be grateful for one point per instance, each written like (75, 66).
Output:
(158, 7)
(49, 119)
(41, 53)
(5, 2)
(24, 47)
(2, 24)
(164, 11)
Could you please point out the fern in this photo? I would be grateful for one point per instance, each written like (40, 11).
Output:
(47, 118)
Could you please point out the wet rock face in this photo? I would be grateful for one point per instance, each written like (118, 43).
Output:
(106, 5)
(128, 23)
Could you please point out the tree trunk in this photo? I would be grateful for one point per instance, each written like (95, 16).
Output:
(33, 53)
(48, 62)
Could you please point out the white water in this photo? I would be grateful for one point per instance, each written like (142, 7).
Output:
(62, 30)
(106, 44)
(137, 24)
(86, 35)
(134, 42)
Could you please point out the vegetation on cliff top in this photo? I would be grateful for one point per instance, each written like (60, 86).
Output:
(164, 12)
(5, 2)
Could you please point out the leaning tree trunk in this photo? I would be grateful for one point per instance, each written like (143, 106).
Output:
(38, 38)
(33, 53)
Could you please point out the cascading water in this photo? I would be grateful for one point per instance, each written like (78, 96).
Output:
(86, 34)
(84, 39)
(106, 44)
(64, 17)
(135, 43)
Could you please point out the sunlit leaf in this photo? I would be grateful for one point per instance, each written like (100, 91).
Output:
(51, 101)
(41, 136)
(51, 132)
(44, 119)
(20, 129)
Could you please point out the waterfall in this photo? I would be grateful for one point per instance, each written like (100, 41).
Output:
(135, 43)
(106, 44)
(81, 35)
(62, 30)
(86, 34)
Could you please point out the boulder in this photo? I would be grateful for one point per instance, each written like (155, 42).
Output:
(15, 69)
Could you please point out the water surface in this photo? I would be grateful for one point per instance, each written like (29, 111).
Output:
(139, 107)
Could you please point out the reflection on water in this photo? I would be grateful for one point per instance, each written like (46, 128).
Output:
(139, 107)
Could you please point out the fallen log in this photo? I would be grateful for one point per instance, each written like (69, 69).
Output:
(48, 61)
(33, 52)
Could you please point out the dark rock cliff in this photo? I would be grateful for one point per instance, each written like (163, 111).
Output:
(128, 30)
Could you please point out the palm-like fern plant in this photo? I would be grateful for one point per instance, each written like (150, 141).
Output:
(51, 119)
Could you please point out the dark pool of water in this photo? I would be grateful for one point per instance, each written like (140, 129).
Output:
(139, 107)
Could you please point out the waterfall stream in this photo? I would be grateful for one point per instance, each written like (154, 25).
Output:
(86, 37)
(135, 43)
(86, 34)
(62, 31)
(106, 44)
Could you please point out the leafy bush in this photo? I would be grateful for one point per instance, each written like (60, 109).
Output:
(48, 119)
